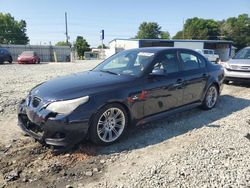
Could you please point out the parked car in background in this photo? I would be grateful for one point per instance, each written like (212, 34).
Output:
(130, 88)
(5, 56)
(209, 54)
(238, 68)
(28, 57)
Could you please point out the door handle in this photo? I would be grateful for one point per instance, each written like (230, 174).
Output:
(178, 83)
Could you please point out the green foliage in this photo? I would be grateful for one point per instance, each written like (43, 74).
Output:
(179, 35)
(62, 43)
(81, 46)
(237, 29)
(149, 30)
(165, 35)
(12, 31)
(204, 29)
(104, 46)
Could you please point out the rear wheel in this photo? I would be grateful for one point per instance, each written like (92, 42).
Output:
(109, 124)
(210, 98)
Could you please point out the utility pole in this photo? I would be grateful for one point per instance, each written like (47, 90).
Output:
(66, 26)
(102, 38)
(183, 31)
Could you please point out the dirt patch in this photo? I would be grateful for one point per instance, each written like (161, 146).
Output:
(26, 163)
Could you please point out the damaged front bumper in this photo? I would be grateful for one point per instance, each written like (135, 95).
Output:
(50, 128)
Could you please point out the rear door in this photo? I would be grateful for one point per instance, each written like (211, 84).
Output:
(195, 75)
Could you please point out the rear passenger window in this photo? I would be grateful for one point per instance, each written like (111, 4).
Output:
(191, 61)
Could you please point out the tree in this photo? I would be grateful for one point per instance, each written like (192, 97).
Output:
(198, 28)
(237, 30)
(165, 35)
(81, 46)
(104, 46)
(149, 30)
(178, 35)
(12, 31)
(62, 43)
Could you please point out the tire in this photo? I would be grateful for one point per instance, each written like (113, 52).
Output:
(226, 82)
(10, 60)
(109, 124)
(211, 98)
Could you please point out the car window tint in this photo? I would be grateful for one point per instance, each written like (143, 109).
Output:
(168, 62)
(190, 61)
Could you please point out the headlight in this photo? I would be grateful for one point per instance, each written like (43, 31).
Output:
(67, 106)
(226, 65)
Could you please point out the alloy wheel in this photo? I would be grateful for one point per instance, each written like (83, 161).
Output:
(111, 124)
(211, 97)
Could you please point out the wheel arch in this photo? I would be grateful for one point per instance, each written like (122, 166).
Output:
(108, 103)
(211, 82)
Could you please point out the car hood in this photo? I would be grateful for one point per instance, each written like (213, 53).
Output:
(239, 62)
(78, 85)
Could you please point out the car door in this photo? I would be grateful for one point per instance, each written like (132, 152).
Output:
(163, 91)
(195, 75)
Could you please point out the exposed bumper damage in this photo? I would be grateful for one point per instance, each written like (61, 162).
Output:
(50, 128)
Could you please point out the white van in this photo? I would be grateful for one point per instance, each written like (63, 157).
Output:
(209, 54)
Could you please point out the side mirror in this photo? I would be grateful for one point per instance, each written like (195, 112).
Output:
(157, 71)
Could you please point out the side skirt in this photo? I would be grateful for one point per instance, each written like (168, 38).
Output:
(167, 113)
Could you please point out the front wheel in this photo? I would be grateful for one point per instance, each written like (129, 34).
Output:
(109, 124)
(210, 98)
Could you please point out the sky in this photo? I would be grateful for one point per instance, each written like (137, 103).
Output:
(119, 19)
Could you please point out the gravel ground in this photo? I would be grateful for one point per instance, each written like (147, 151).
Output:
(191, 149)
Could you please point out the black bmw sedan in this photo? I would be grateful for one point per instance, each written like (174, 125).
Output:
(130, 88)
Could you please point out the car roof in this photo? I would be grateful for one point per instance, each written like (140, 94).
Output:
(5, 49)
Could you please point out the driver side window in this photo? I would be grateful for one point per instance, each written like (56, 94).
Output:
(168, 63)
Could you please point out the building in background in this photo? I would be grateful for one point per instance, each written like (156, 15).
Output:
(222, 47)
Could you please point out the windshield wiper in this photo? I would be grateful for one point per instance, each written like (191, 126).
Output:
(110, 72)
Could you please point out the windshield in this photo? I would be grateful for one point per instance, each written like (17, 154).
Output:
(132, 62)
(243, 54)
(28, 53)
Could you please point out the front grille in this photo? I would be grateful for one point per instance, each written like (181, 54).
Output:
(35, 102)
(240, 68)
